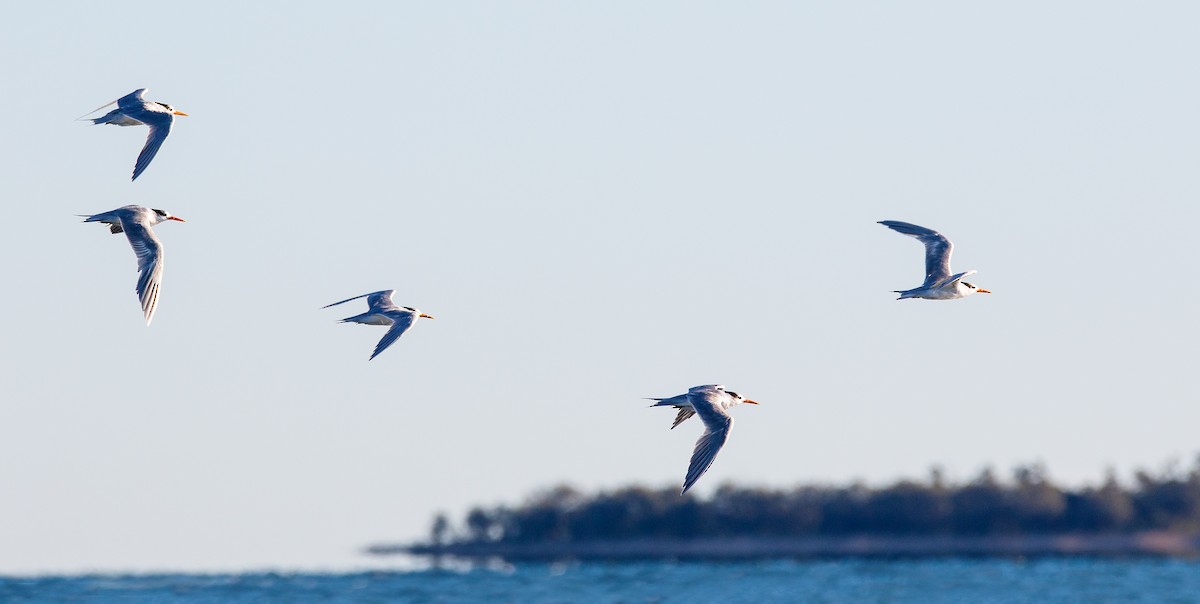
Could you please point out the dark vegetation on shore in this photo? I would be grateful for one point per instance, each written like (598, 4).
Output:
(1028, 504)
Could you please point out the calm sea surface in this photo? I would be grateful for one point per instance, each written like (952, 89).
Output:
(919, 581)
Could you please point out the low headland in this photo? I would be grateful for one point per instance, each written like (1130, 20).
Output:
(1028, 515)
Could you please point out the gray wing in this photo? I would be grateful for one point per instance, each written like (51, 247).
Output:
(381, 299)
(937, 249)
(373, 298)
(717, 424)
(402, 321)
(150, 264)
(684, 413)
(160, 124)
(133, 99)
(954, 278)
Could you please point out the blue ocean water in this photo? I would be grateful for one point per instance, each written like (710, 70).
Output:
(852, 581)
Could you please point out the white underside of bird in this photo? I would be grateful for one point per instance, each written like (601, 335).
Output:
(951, 288)
(712, 403)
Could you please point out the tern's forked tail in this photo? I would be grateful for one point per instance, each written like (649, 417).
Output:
(673, 401)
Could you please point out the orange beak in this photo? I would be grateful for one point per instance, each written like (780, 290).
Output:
(746, 400)
(179, 113)
(425, 315)
(177, 218)
(983, 291)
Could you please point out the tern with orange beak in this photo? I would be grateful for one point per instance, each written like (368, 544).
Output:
(939, 283)
(382, 311)
(135, 222)
(133, 110)
(712, 404)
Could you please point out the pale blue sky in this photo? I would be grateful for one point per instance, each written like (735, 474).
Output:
(599, 203)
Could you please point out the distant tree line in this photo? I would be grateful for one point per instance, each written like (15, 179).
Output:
(1028, 503)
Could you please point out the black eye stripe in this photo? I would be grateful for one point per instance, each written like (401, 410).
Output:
(159, 212)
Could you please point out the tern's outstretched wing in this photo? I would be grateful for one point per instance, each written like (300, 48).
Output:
(401, 322)
(381, 299)
(937, 249)
(130, 100)
(133, 99)
(954, 278)
(373, 298)
(160, 126)
(684, 413)
(150, 263)
(717, 424)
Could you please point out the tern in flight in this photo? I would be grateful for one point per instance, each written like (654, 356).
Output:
(939, 283)
(135, 222)
(712, 404)
(383, 312)
(133, 110)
